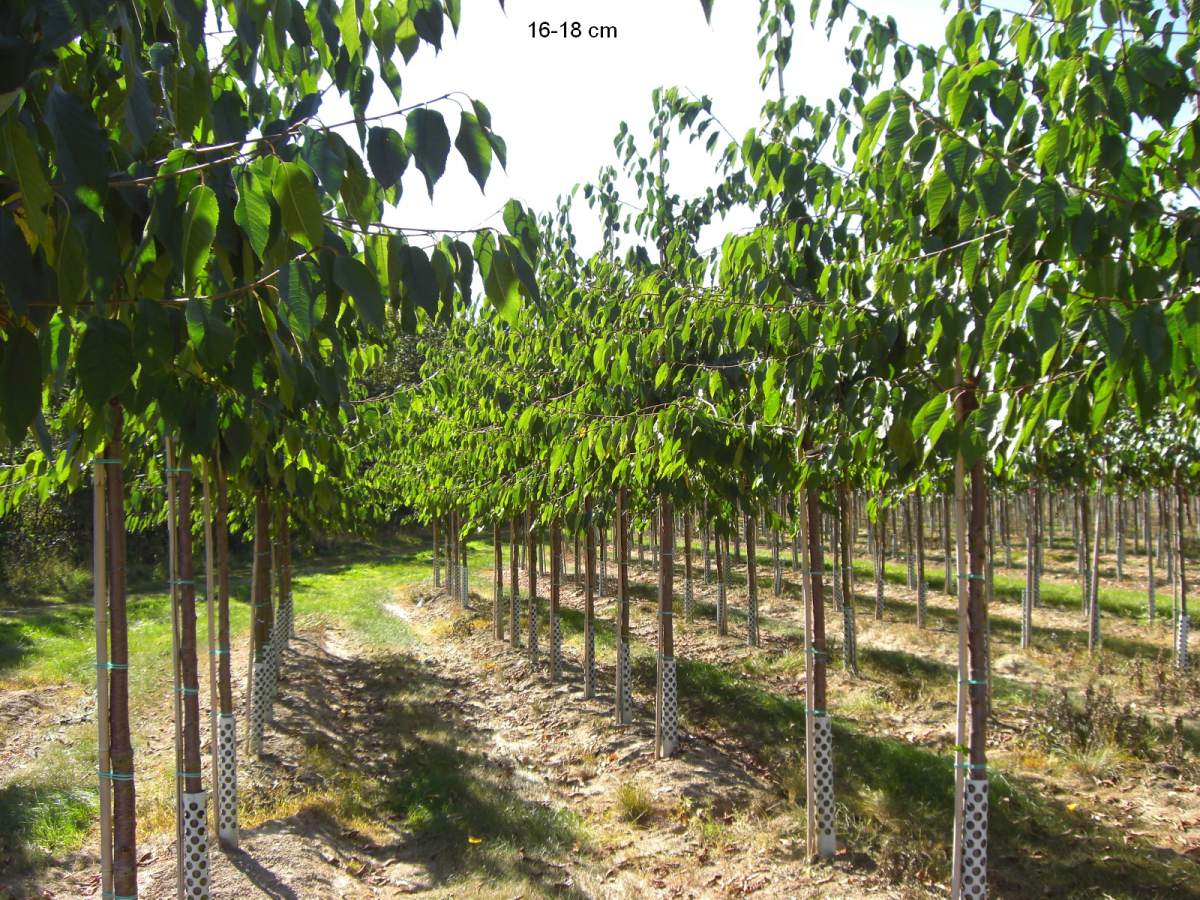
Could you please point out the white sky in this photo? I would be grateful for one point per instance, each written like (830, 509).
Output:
(558, 102)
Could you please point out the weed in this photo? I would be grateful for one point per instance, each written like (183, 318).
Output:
(633, 803)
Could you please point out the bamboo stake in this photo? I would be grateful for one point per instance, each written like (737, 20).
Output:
(100, 598)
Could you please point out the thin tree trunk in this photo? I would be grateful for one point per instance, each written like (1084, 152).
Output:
(909, 562)
(666, 720)
(497, 583)
(188, 669)
(1084, 547)
(514, 585)
(849, 634)
(1149, 526)
(922, 591)
(1120, 529)
(124, 818)
(531, 577)
(722, 584)
(1094, 581)
(948, 584)
(688, 595)
(624, 693)
(1182, 622)
(751, 583)
(555, 597)
(880, 540)
(224, 668)
(589, 604)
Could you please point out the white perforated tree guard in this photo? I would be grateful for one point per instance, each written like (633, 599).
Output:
(670, 708)
(194, 812)
(450, 579)
(823, 784)
(721, 607)
(227, 821)
(464, 586)
(589, 660)
(849, 639)
(515, 620)
(286, 619)
(1181, 641)
(752, 619)
(555, 648)
(258, 702)
(437, 568)
(777, 583)
(975, 835)
(532, 626)
(624, 684)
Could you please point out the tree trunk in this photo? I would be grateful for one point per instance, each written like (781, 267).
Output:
(849, 626)
(623, 702)
(1120, 529)
(688, 595)
(224, 669)
(1094, 582)
(264, 618)
(666, 720)
(1148, 517)
(514, 585)
(185, 566)
(1083, 548)
(555, 596)
(531, 537)
(589, 603)
(722, 584)
(949, 585)
(437, 563)
(751, 583)
(880, 540)
(124, 818)
(1182, 623)
(497, 583)
(922, 591)
(910, 563)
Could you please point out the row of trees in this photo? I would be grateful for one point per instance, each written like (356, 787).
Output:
(975, 266)
(195, 280)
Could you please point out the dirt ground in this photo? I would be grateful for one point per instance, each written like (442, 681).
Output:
(323, 810)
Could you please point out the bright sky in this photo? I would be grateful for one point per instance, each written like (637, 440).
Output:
(558, 102)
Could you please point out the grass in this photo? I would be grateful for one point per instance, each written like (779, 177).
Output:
(632, 803)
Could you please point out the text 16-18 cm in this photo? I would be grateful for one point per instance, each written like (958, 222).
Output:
(571, 30)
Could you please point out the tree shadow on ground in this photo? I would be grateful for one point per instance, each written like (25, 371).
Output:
(896, 800)
(391, 736)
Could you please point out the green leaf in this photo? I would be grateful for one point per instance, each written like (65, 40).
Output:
(707, 6)
(387, 155)
(429, 142)
(297, 301)
(253, 211)
(363, 287)
(1052, 147)
(104, 363)
(21, 377)
(937, 196)
(82, 148)
(36, 195)
(297, 198)
(472, 144)
(199, 229)
(899, 131)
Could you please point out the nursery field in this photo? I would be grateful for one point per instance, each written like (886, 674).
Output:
(786, 484)
(411, 752)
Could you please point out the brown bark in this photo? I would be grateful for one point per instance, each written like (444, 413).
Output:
(120, 745)
(752, 577)
(623, 518)
(224, 669)
(264, 613)
(816, 565)
(498, 576)
(189, 675)
(514, 585)
(977, 691)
